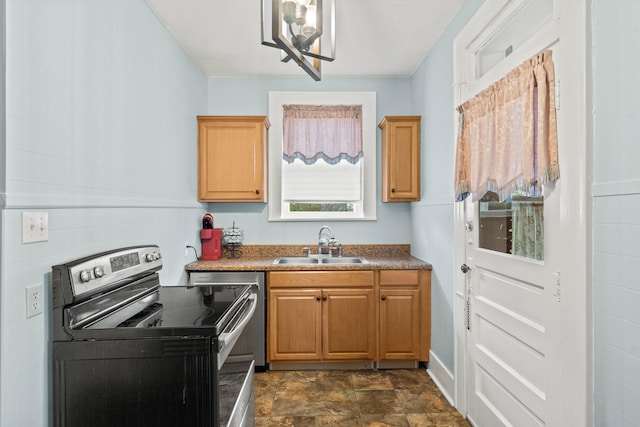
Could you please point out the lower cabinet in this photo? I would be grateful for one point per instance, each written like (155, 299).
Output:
(295, 324)
(321, 316)
(349, 315)
(399, 315)
(348, 324)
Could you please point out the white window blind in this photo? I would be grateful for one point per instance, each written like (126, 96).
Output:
(321, 181)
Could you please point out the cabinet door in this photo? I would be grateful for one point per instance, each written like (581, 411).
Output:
(295, 326)
(348, 324)
(400, 158)
(231, 158)
(399, 324)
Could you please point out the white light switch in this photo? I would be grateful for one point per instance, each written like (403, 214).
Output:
(35, 227)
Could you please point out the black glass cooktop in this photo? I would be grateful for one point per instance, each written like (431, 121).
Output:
(175, 310)
(197, 305)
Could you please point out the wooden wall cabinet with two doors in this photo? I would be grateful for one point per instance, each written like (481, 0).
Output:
(330, 316)
(400, 158)
(232, 158)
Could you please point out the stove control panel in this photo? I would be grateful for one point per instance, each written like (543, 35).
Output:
(91, 274)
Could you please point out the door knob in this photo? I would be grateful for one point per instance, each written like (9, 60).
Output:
(465, 268)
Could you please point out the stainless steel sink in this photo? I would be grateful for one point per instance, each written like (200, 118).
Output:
(296, 260)
(315, 260)
(345, 260)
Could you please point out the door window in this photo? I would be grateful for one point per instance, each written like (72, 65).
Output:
(513, 33)
(514, 226)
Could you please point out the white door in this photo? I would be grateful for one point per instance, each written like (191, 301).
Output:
(512, 337)
(510, 352)
(522, 349)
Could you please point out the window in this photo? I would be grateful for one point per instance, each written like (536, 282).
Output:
(507, 150)
(321, 159)
(526, 20)
(514, 226)
(313, 176)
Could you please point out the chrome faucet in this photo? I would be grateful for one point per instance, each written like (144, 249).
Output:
(326, 240)
(323, 240)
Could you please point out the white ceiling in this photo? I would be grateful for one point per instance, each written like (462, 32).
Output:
(373, 37)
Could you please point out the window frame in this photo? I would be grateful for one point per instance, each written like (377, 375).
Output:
(368, 102)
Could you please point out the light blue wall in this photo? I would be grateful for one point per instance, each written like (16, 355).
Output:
(432, 217)
(250, 96)
(101, 134)
(616, 190)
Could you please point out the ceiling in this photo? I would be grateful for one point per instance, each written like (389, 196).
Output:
(373, 37)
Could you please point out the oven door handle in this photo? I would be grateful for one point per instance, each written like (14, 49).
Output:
(227, 339)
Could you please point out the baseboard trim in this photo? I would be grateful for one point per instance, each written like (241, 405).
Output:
(314, 366)
(442, 377)
(396, 364)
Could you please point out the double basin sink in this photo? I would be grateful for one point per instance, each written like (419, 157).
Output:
(316, 260)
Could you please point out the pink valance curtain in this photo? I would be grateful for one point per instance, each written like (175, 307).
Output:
(508, 138)
(329, 132)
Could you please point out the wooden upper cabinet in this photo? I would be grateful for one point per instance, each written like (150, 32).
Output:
(232, 158)
(400, 158)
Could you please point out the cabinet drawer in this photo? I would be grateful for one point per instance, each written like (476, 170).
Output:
(399, 277)
(324, 279)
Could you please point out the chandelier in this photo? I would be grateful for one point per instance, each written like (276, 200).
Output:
(304, 31)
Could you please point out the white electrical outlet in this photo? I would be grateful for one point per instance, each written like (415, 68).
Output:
(35, 227)
(34, 300)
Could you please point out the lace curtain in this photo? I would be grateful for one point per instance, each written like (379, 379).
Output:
(332, 133)
(329, 132)
(528, 228)
(508, 138)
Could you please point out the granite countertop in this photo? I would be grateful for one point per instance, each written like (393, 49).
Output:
(261, 257)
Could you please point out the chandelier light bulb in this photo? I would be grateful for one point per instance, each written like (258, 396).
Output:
(311, 16)
(301, 15)
(289, 12)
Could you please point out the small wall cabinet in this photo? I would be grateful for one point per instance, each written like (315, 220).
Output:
(400, 158)
(232, 156)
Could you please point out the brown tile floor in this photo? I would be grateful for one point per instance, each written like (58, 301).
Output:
(403, 397)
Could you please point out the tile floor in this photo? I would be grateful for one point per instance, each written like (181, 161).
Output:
(403, 397)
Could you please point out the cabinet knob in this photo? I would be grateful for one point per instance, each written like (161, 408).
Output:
(257, 191)
(318, 298)
(324, 297)
(383, 297)
(393, 190)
